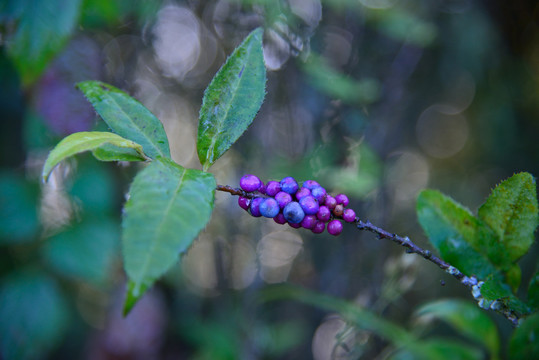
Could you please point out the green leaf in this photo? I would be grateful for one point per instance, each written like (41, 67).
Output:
(232, 100)
(466, 318)
(127, 117)
(168, 206)
(511, 211)
(533, 291)
(524, 343)
(440, 349)
(34, 315)
(499, 295)
(105, 146)
(43, 28)
(452, 229)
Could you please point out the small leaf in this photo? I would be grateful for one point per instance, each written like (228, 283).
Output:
(106, 146)
(466, 318)
(533, 291)
(511, 211)
(452, 229)
(232, 100)
(167, 208)
(524, 343)
(127, 117)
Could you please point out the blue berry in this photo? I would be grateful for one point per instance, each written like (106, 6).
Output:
(283, 199)
(255, 207)
(250, 182)
(309, 205)
(269, 208)
(310, 184)
(319, 194)
(293, 213)
(289, 185)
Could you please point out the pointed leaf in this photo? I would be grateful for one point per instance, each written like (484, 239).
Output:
(452, 229)
(511, 211)
(106, 146)
(127, 117)
(524, 344)
(167, 208)
(232, 100)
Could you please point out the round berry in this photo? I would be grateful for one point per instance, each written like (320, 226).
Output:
(244, 202)
(272, 188)
(309, 205)
(349, 215)
(330, 202)
(334, 227)
(250, 182)
(255, 207)
(295, 226)
(289, 185)
(342, 199)
(338, 211)
(308, 221)
(310, 184)
(269, 208)
(262, 189)
(323, 213)
(283, 199)
(319, 227)
(293, 213)
(319, 194)
(279, 219)
(302, 193)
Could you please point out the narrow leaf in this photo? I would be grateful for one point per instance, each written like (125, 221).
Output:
(232, 100)
(106, 146)
(127, 117)
(452, 229)
(167, 208)
(524, 344)
(511, 211)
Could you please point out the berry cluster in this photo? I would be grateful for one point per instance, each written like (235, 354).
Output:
(308, 206)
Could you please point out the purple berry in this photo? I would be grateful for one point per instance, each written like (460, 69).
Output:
(349, 215)
(302, 193)
(309, 221)
(342, 199)
(283, 199)
(255, 207)
(279, 219)
(293, 213)
(262, 189)
(323, 213)
(250, 183)
(244, 202)
(269, 208)
(310, 184)
(309, 205)
(319, 227)
(295, 226)
(289, 185)
(319, 194)
(272, 188)
(330, 202)
(334, 227)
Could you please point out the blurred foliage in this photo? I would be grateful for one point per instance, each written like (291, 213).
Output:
(375, 98)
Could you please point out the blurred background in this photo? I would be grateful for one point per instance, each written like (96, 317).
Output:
(374, 98)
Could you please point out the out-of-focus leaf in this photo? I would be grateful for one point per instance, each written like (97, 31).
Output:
(86, 251)
(451, 229)
(42, 29)
(466, 318)
(442, 349)
(524, 342)
(498, 294)
(513, 276)
(533, 292)
(106, 146)
(168, 206)
(511, 211)
(34, 315)
(127, 117)
(18, 206)
(232, 99)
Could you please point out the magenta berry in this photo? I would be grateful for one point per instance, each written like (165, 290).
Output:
(342, 199)
(308, 221)
(309, 205)
(269, 208)
(323, 213)
(302, 193)
(255, 207)
(319, 227)
(319, 194)
(349, 215)
(262, 189)
(244, 202)
(310, 184)
(283, 199)
(250, 182)
(293, 213)
(295, 226)
(289, 185)
(279, 219)
(330, 202)
(272, 188)
(334, 227)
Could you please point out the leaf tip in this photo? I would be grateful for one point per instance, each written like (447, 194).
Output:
(133, 294)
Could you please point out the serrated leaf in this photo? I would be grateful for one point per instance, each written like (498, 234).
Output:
(232, 100)
(524, 343)
(106, 146)
(466, 318)
(512, 212)
(168, 206)
(452, 229)
(41, 32)
(127, 117)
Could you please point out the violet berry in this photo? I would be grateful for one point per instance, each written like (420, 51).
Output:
(272, 188)
(310, 184)
(295, 226)
(262, 189)
(250, 182)
(349, 215)
(309, 221)
(319, 227)
(342, 199)
(293, 213)
(302, 193)
(330, 202)
(255, 207)
(289, 185)
(283, 199)
(279, 219)
(269, 208)
(309, 205)
(244, 202)
(323, 213)
(319, 194)
(334, 227)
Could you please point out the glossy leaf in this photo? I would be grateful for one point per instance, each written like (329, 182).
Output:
(232, 100)
(105, 146)
(511, 211)
(466, 318)
(452, 229)
(524, 342)
(168, 206)
(34, 315)
(127, 117)
(42, 30)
